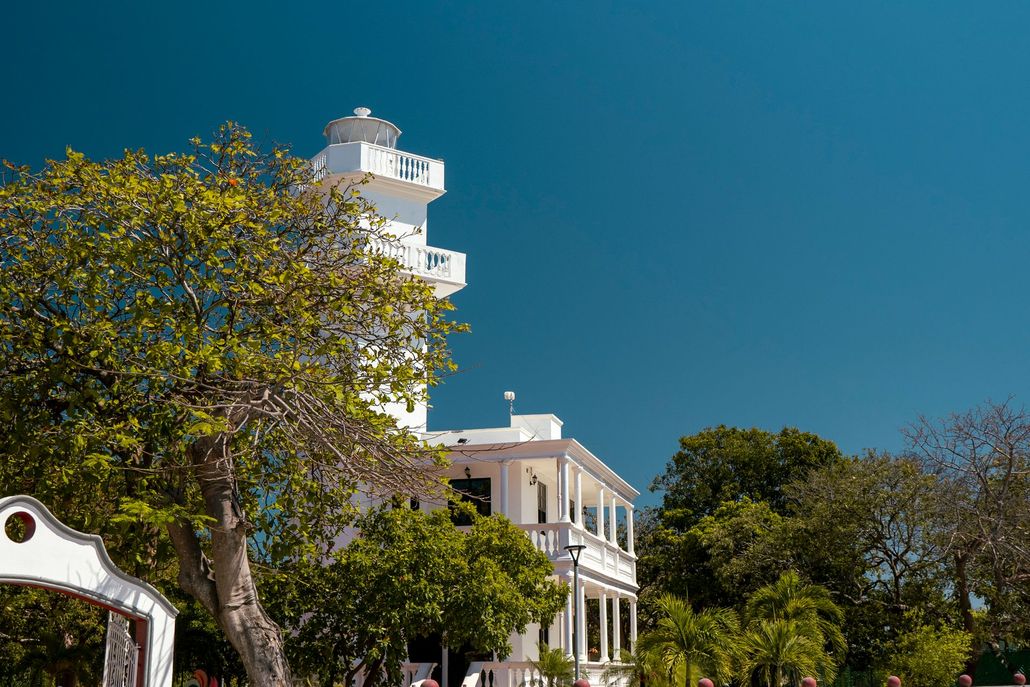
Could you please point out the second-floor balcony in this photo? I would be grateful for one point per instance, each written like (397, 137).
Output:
(414, 174)
(444, 268)
(600, 555)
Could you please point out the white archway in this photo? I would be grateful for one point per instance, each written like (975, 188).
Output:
(53, 556)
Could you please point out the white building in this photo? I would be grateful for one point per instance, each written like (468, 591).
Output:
(554, 488)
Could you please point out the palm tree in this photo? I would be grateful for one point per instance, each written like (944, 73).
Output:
(555, 667)
(638, 668)
(693, 644)
(781, 652)
(809, 605)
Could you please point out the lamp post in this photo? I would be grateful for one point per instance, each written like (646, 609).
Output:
(574, 551)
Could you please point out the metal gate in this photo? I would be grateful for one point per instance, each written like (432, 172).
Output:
(121, 655)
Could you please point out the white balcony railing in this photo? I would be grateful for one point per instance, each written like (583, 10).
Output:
(319, 167)
(379, 161)
(525, 674)
(392, 163)
(424, 261)
(599, 555)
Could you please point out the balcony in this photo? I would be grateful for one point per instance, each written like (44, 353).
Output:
(599, 556)
(415, 175)
(444, 268)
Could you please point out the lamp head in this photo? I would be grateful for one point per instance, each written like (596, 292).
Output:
(574, 551)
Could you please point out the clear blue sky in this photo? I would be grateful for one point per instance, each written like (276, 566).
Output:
(676, 214)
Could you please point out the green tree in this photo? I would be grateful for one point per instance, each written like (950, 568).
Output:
(693, 644)
(556, 668)
(722, 528)
(874, 531)
(207, 340)
(723, 464)
(928, 655)
(410, 575)
(640, 668)
(808, 606)
(782, 652)
(43, 634)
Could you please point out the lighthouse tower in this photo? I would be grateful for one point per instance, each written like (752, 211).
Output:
(402, 186)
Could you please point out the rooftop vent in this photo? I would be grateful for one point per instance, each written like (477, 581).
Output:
(361, 128)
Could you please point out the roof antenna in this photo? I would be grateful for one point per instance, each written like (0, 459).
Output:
(509, 396)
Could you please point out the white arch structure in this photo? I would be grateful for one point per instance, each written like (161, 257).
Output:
(53, 556)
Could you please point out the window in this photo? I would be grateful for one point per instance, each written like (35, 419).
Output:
(541, 502)
(475, 491)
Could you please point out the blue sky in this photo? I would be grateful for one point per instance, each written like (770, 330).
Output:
(676, 214)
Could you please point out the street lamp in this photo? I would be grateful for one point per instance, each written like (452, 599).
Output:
(574, 551)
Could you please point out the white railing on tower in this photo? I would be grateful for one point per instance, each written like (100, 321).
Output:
(379, 161)
(319, 168)
(423, 261)
(397, 165)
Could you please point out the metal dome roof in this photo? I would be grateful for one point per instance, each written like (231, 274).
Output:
(361, 128)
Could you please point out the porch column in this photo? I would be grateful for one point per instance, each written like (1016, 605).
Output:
(633, 625)
(600, 512)
(577, 517)
(566, 634)
(504, 488)
(629, 528)
(616, 627)
(563, 489)
(581, 621)
(612, 522)
(605, 657)
(444, 666)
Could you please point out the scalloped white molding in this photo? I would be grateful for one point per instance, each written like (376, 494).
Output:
(58, 558)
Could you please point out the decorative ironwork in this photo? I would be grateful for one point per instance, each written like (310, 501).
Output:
(121, 655)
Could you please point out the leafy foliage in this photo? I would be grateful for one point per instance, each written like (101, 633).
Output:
(211, 342)
(724, 464)
(410, 574)
(793, 630)
(928, 656)
(556, 668)
(692, 644)
(782, 652)
(44, 635)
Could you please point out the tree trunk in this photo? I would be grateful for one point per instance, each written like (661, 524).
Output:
(965, 607)
(224, 584)
(962, 593)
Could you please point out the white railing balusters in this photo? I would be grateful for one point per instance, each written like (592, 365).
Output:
(319, 168)
(419, 260)
(398, 165)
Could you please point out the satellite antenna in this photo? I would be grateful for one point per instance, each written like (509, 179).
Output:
(509, 396)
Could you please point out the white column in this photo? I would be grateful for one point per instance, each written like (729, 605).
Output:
(504, 489)
(616, 627)
(603, 602)
(443, 666)
(578, 515)
(612, 522)
(581, 622)
(563, 489)
(629, 528)
(566, 636)
(633, 625)
(600, 512)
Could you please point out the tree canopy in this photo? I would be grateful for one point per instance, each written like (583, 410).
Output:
(727, 464)
(409, 575)
(905, 546)
(208, 342)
